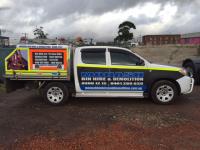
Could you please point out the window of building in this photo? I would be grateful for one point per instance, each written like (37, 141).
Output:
(93, 56)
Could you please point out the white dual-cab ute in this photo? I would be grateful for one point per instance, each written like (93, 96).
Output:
(59, 72)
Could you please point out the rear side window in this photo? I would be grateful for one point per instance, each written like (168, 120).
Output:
(121, 57)
(93, 56)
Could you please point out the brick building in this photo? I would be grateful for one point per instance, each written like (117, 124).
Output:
(161, 39)
(191, 38)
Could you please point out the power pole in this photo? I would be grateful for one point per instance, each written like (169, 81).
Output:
(91, 41)
(25, 35)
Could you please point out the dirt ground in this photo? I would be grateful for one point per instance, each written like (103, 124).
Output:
(26, 122)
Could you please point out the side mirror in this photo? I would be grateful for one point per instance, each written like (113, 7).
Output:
(141, 62)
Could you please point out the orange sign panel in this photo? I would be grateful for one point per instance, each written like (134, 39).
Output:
(48, 59)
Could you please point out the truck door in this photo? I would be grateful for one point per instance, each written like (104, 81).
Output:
(127, 73)
(91, 70)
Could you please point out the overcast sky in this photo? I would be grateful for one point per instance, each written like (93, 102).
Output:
(99, 19)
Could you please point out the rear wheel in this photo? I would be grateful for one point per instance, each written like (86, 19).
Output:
(56, 93)
(164, 92)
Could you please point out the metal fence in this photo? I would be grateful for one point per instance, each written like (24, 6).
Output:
(3, 53)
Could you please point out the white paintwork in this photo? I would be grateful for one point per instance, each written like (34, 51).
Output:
(110, 94)
(77, 60)
(162, 66)
(186, 84)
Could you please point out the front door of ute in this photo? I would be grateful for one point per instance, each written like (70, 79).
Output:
(127, 73)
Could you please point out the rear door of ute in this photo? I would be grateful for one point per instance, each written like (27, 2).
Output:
(91, 69)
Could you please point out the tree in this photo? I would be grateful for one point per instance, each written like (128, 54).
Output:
(124, 33)
(79, 40)
(39, 33)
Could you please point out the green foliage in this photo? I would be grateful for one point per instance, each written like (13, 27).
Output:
(39, 33)
(124, 33)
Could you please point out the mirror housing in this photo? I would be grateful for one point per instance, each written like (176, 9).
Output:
(141, 62)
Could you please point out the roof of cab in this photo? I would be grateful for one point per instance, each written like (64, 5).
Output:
(113, 47)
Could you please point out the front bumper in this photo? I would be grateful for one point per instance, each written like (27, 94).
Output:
(186, 84)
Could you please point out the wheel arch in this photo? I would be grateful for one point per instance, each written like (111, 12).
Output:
(61, 95)
(166, 79)
(46, 82)
(67, 84)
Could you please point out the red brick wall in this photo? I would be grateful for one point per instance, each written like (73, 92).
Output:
(161, 39)
(192, 41)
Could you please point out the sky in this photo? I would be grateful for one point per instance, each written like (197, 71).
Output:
(98, 19)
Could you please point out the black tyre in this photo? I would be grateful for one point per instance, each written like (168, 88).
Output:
(56, 93)
(164, 92)
(189, 66)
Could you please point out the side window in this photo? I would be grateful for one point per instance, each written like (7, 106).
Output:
(121, 57)
(93, 56)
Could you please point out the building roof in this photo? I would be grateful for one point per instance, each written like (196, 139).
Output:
(4, 37)
(162, 35)
(191, 35)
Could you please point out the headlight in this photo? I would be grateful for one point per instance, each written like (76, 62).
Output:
(183, 72)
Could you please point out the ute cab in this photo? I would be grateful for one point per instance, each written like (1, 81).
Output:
(119, 72)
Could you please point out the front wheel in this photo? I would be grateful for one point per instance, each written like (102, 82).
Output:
(56, 93)
(164, 92)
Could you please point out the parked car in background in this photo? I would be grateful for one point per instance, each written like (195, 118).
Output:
(134, 44)
(192, 65)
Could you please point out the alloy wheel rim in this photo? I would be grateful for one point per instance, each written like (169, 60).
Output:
(55, 95)
(165, 93)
